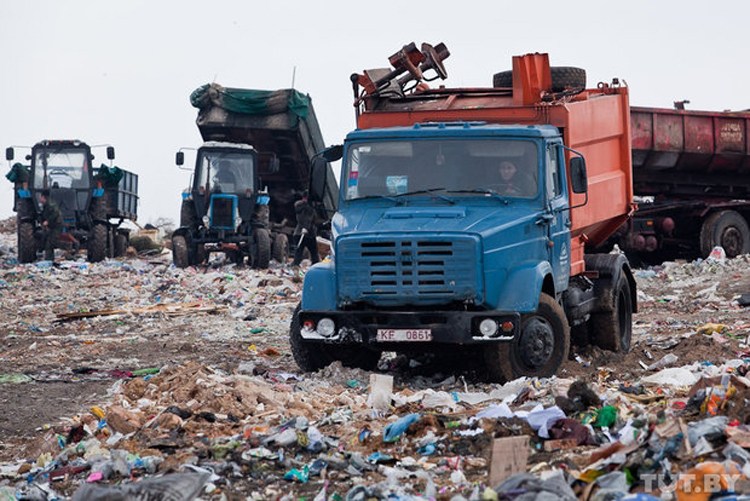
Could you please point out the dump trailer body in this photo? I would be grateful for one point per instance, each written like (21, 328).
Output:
(690, 153)
(280, 123)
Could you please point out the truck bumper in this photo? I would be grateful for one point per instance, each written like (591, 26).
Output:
(445, 327)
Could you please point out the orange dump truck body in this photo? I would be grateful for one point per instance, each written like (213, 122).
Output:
(594, 122)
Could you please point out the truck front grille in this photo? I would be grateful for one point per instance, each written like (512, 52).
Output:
(222, 212)
(408, 270)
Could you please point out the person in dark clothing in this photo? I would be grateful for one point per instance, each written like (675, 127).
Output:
(304, 232)
(51, 224)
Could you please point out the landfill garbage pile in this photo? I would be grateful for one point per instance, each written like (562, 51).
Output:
(131, 379)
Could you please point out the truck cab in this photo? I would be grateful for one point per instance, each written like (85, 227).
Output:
(224, 208)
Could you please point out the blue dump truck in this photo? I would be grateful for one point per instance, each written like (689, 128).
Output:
(93, 201)
(253, 165)
(437, 248)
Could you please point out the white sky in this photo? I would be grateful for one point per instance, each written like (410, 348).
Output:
(121, 72)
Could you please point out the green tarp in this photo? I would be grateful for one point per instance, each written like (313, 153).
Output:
(250, 101)
(18, 174)
(109, 176)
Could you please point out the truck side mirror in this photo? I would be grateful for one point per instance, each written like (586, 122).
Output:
(9, 154)
(333, 153)
(110, 152)
(578, 178)
(179, 158)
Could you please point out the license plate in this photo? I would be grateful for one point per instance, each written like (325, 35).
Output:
(404, 335)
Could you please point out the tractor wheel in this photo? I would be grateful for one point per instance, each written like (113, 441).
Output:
(727, 229)
(309, 356)
(26, 243)
(280, 250)
(262, 248)
(96, 247)
(612, 330)
(121, 244)
(537, 351)
(180, 251)
(563, 78)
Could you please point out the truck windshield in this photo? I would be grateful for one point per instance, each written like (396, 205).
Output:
(225, 171)
(463, 167)
(60, 168)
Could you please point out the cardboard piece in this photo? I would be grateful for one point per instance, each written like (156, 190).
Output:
(509, 456)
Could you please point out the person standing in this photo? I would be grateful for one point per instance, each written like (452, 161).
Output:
(51, 224)
(304, 232)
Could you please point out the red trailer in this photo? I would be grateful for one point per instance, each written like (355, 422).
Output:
(691, 170)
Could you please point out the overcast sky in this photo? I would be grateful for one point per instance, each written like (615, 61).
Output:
(121, 72)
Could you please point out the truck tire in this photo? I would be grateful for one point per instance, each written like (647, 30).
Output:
(727, 229)
(538, 351)
(280, 249)
(308, 356)
(180, 251)
(26, 243)
(121, 244)
(188, 218)
(262, 248)
(563, 78)
(613, 329)
(96, 246)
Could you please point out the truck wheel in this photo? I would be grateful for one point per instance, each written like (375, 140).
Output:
(613, 330)
(563, 78)
(309, 356)
(280, 249)
(727, 229)
(538, 351)
(121, 244)
(26, 243)
(96, 247)
(188, 219)
(262, 248)
(180, 251)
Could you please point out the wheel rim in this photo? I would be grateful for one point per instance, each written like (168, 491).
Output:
(537, 343)
(731, 241)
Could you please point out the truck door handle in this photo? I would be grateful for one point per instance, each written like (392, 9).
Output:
(545, 219)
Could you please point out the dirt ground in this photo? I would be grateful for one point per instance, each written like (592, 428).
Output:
(70, 366)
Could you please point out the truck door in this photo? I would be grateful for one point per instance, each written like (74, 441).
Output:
(559, 217)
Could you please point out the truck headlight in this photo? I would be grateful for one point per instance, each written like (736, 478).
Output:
(326, 327)
(206, 220)
(488, 327)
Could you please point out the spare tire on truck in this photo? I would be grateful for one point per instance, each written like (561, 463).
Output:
(563, 78)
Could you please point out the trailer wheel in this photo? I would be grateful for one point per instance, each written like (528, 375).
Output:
(96, 247)
(309, 356)
(613, 329)
(727, 229)
(538, 351)
(280, 250)
(262, 248)
(180, 255)
(563, 78)
(121, 244)
(26, 243)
